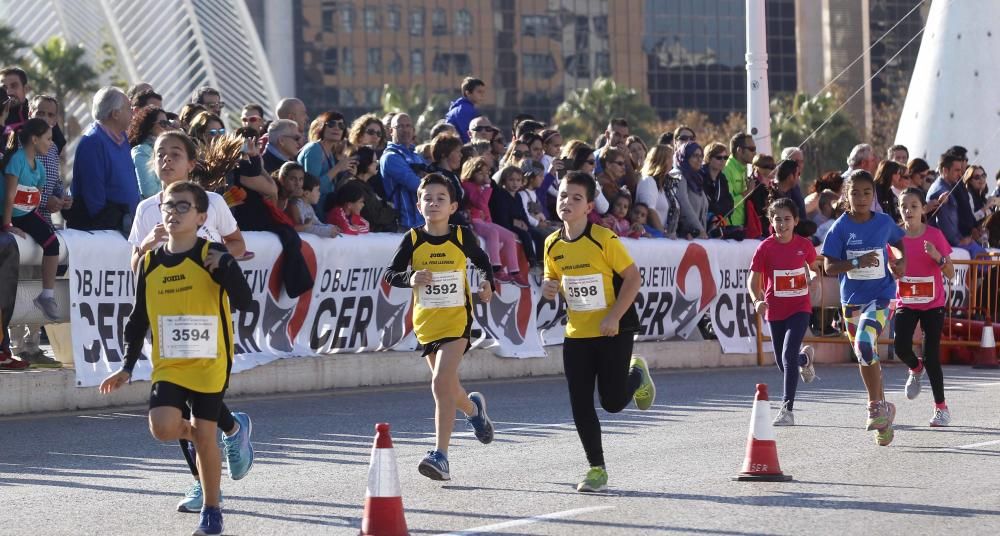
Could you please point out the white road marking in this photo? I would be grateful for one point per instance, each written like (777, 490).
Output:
(975, 445)
(529, 520)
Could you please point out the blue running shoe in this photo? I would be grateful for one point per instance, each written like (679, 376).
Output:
(434, 466)
(193, 500)
(481, 423)
(211, 522)
(238, 449)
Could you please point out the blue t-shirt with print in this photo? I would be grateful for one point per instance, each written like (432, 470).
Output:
(848, 239)
(18, 167)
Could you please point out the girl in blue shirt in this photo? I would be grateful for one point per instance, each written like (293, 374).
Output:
(855, 251)
(21, 191)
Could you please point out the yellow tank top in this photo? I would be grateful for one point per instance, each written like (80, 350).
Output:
(442, 309)
(190, 322)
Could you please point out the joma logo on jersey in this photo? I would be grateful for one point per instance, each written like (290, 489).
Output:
(172, 278)
(558, 257)
(438, 255)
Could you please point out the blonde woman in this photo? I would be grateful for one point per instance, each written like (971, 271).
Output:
(658, 191)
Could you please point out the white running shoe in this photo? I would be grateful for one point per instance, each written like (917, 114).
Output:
(941, 418)
(808, 372)
(785, 417)
(912, 388)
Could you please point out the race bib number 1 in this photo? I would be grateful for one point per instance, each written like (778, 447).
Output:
(447, 289)
(916, 290)
(584, 292)
(790, 283)
(189, 337)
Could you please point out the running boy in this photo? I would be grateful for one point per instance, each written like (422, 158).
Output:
(183, 296)
(437, 254)
(779, 288)
(855, 250)
(920, 298)
(600, 282)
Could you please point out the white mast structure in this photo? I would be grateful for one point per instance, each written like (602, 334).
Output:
(954, 94)
(758, 98)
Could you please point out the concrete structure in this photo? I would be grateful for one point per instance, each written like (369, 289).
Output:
(176, 45)
(954, 94)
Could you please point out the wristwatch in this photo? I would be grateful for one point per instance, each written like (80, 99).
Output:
(943, 261)
(855, 262)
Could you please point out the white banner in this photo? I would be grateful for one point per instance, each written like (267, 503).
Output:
(349, 310)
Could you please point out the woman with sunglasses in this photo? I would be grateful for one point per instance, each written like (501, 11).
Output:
(147, 123)
(368, 130)
(325, 156)
(975, 182)
(205, 128)
(720, 201)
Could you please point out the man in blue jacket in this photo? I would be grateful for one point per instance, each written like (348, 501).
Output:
(464, 110)
(401, 168)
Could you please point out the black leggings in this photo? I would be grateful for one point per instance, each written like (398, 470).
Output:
(226, 423)
(41, 231)
(932, 322)
(605, 359)
(787, 337)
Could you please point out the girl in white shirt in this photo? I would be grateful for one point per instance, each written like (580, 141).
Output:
(175, 158)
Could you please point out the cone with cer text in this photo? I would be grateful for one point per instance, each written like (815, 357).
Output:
(383, 499)
(761, 462)
(986, 354)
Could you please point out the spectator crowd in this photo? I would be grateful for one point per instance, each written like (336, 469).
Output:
(286, 172)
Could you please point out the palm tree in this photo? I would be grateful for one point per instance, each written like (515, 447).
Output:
(62, 71)
(425, 110)
(585, 113)
(794, 123)
(10, 46)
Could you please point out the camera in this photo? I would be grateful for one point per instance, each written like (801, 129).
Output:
(4, 97)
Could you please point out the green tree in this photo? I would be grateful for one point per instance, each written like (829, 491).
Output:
(585, 113)
(424, 109)
(10, 46)
(62, 70)
(795, 118)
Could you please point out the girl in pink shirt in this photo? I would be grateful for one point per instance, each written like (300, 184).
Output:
(501, 243)
(779, 288)
(920, 297)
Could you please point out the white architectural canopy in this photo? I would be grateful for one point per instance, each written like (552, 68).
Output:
(954, 94)
(175, 45)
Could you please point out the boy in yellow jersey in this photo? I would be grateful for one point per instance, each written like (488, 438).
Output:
(432, 259)
(183, 296)
(599, 282)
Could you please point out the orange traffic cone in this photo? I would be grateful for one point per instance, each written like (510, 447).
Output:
(986, 355)
(761, 462)
(383, 499)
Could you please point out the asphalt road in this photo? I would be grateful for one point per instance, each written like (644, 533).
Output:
(670, 467)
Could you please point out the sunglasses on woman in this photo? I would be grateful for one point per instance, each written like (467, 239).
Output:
(335, 124)
(374, 132)
(216, 131)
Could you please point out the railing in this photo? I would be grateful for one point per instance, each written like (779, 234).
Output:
(970, 305)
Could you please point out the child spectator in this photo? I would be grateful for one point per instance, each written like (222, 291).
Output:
(24, 179)
(300, 208)
(500, 242)
(348, 202)
(538, 219)
(617, 218)
(507, 210)
(639, 217)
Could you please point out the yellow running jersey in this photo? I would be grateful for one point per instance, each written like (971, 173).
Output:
(588, 269)
(442, 309)
(189, 318)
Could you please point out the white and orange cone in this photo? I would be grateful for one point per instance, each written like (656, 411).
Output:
(383, 499)
(761, 462)
(986, 354)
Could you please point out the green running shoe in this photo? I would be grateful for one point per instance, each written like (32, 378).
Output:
(646, 393)
(596, 480)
